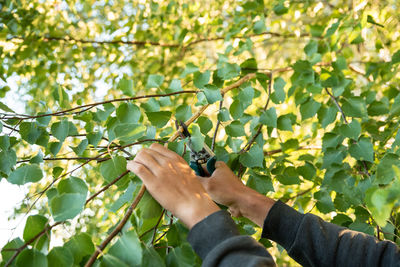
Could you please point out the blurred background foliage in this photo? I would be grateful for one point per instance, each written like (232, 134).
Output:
(312, 116)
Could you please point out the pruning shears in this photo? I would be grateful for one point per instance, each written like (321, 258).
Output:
(198, 158)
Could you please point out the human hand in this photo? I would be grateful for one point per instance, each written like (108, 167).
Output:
(227, 189)
(171, 181)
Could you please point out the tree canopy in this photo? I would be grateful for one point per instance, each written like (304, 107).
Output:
(300, 98)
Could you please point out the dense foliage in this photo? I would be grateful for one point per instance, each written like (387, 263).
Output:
(301, 98)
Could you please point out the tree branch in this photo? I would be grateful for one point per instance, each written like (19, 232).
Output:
(30, 241)
(216, 127)
(117, 229)
(89, 106)
(106, 186)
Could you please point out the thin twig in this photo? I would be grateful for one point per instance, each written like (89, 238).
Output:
(337, 105)
(156, 226)
(251, 141)
(216, 127)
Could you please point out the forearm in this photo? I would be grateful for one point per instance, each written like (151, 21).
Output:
(313, 242)
(254, 206)
(217, 241)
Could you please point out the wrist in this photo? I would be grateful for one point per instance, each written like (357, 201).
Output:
(197, 211)
(255, 206)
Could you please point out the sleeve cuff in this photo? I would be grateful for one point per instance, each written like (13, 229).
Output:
(281, 224)
(211, 231)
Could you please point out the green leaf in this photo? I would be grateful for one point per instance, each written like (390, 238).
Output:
(31, 258)
(269, 118)
(371, 20)
(354, 107)
(223, 115)
(60, 257)
(331, 30)
(311, 48)
(183, 112)
(72, 185)
(8, 159)
(395, 58)
(80, 245)
(154, 81)
(33, 226)
(201, 79)
(190, 68)
(278, 96)
(259, 182)
(362, 150)
(324, 203)
(128, 113)
(6, 108)
(205, 124)
(112, 168)
(94, 138)
(149, 208)
(351, 130)
(111, 261)
(43, 121)
(197, 138)
(307, 170)
(61, 96)
(55, 147)
(30, 131)
(103, 115)
(289, 176)
(4, 142)
(126, 87)
(377, 108)
(309, 109)
(212, 93)
(259, 27)
(280, 9)
(385, 173)
(7, 251)
(152, 258)
(159, 119)
(290, 145)
(236, 109)
(60, 129)
(326, 116)
(38, 158)
(228, 71)
(129, 132)
(128, 249)
(285, 122)
(124, 198)
(175, 86)
(79, 149)
(67, 206)
(26, 174)
(235, 129)
(253, 158)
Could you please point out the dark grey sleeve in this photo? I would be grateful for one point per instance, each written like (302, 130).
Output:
(217, 241)
(313, 242)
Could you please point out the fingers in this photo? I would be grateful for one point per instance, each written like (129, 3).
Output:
(164, 151)
(220, 166)
(150, 158)
(140, 170)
